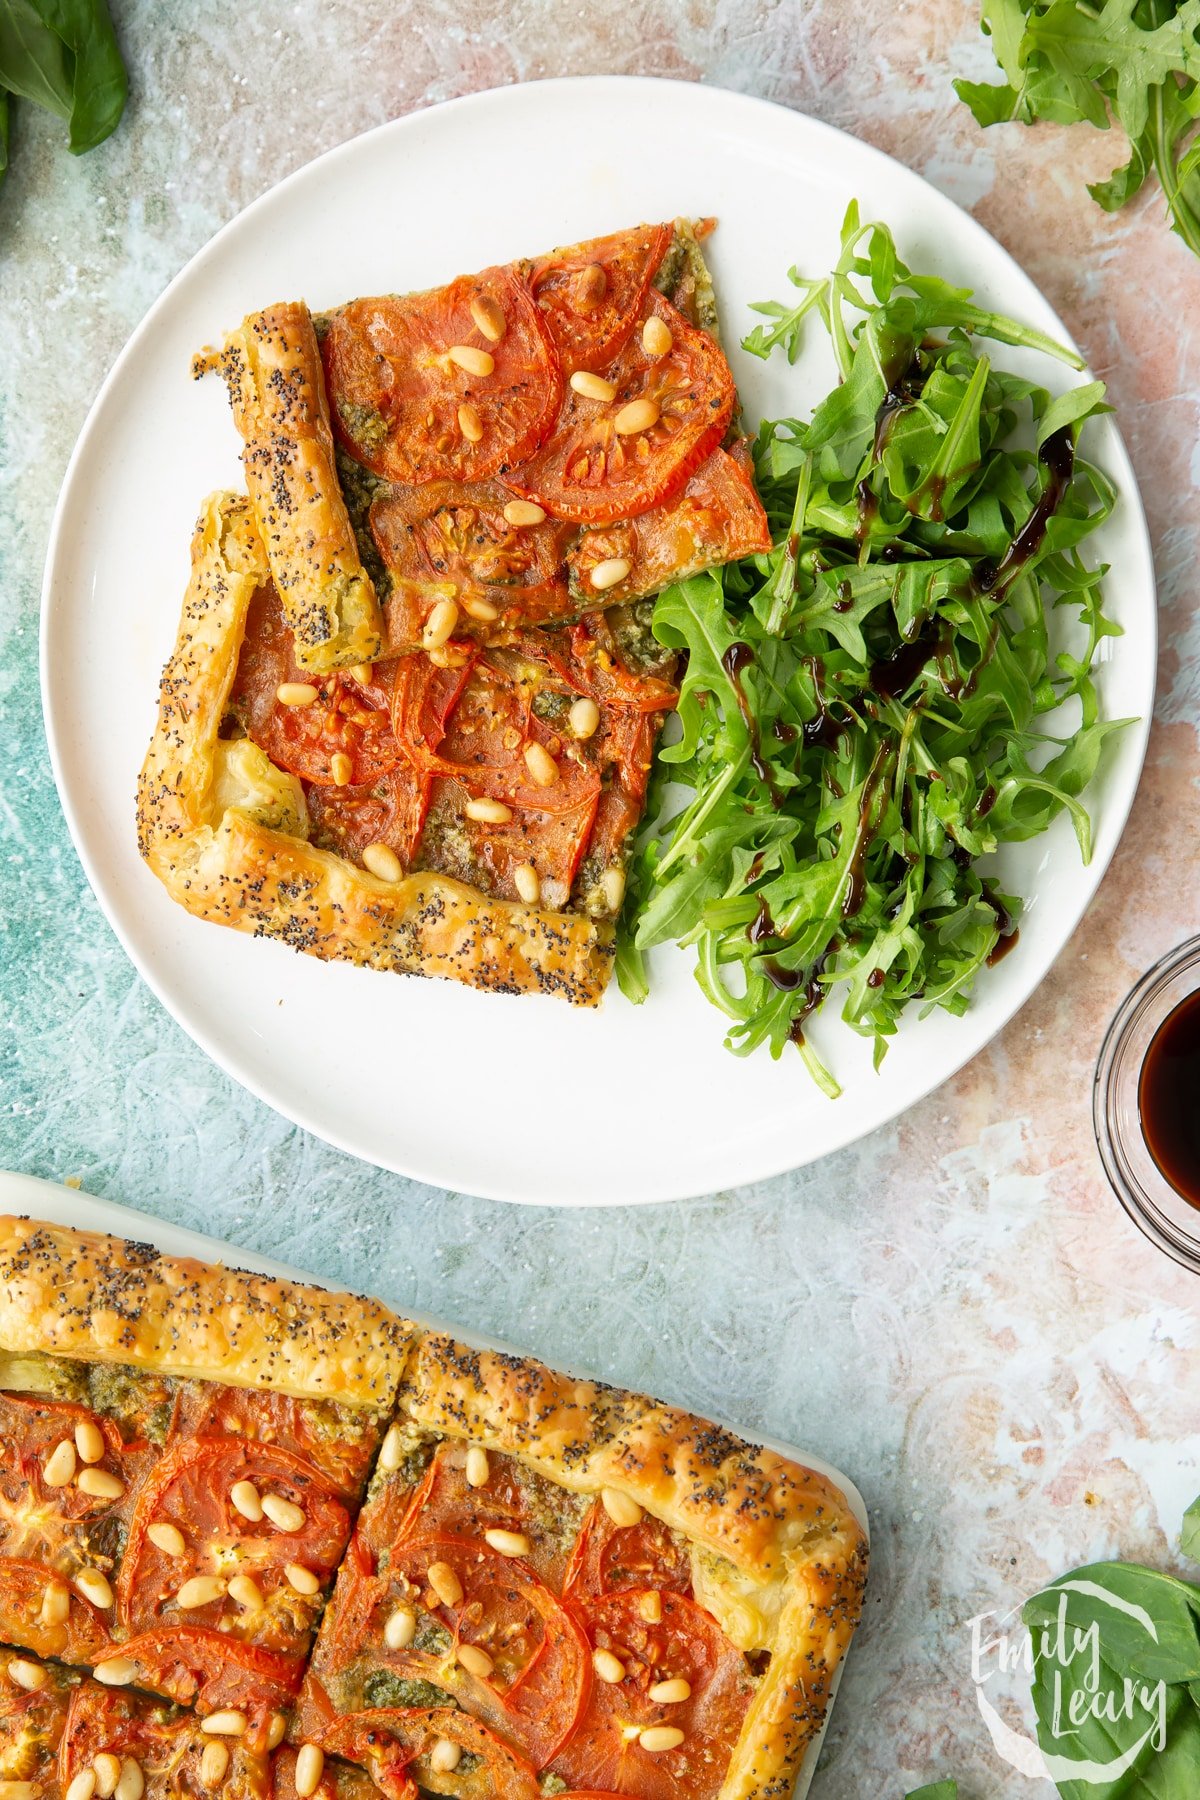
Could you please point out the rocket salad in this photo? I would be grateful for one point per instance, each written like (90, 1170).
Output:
(865, 710)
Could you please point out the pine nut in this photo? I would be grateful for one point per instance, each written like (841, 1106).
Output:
(470, 423)
(541, 765)
(116, 1671)
(131, 1783)
(89, 1441)
(224, 1724)
(108, 1773)
(201, 1590)
(214, 1764)
(621, 1508)
(363, 673)
(99, 1484)
(380, 860)
(656, 336)
(56, 1604)
(59, 1467)
(167, 1538)
(606, 574)
(584, 717)
(28, 1675)
(473, 361)
(480, 609)
(439, 626)
(608, 1667)
(612, 885)
(524, 512)
(656, 1738)
(285, 1515)
(310, 1766)
(593, 387)
(639, 415)
(341, 768)
(244, 1498)
(303, 1580)
(295, 693)
(478, 1468)
(275, 1731)
(445, 1756)
(507, 1543)
(591, 285)
(488, 812)
(400, 1629)
(391, 1451)
(245, 1592)
(671, 1693)
(445, 1584)
(94, 1587)
(650, 1607)
(475, 1661)
(81, 1786)
(489, 317)
(529, 889)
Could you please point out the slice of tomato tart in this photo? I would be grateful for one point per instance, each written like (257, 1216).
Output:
(180, 1471)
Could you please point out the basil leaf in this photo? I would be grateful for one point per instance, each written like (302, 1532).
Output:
(63, 55)
(1189, 1536)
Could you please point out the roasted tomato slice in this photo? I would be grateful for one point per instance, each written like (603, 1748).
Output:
(166, 1749)
(349, 717)
(539, 1675)
(715, 519)
(81, 1636)
(419, 392)
(453, 542)
(31, 1728)
(339, 1781)
(47, 1520)
(511, 1499)
(686, 1645)
(593, 294)
(396, 1745)
(336, 1440)
(192, 1489)
(600, 466)
(589, 659)
(608, 1558)
(389, 811)
(212, 1670)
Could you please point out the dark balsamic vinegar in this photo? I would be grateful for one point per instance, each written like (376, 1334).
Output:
(1169, 1098)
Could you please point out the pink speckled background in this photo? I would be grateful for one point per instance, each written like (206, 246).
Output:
(955, 1311)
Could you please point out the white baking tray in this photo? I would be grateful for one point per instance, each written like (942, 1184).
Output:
(26, 1194)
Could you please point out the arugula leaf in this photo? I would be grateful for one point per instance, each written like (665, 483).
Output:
(864, 710)
(1134, 63)
(62, 55)
(937, 1790)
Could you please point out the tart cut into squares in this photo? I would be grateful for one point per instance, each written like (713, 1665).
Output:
(184, 1451)
(506, 451)
(579, 1590)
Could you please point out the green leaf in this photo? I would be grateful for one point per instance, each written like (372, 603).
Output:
(63, 54)
(991, 105)
(4, 126)
(1189, 1536)
(937, 1790)
(1071, 408)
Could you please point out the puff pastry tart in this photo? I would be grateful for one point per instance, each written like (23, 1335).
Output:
(550, 1587)
(413, 703)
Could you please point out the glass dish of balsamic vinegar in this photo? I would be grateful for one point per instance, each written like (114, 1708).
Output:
(1146, 1104)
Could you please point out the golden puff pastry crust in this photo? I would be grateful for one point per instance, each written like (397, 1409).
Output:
(226, 832)
(778, 1557)
(101, 1299)
(272, 368)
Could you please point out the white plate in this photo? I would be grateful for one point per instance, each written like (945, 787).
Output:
(517, 1099)
(26, 1195)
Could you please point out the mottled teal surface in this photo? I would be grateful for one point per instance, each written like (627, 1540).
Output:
(954, 1311)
